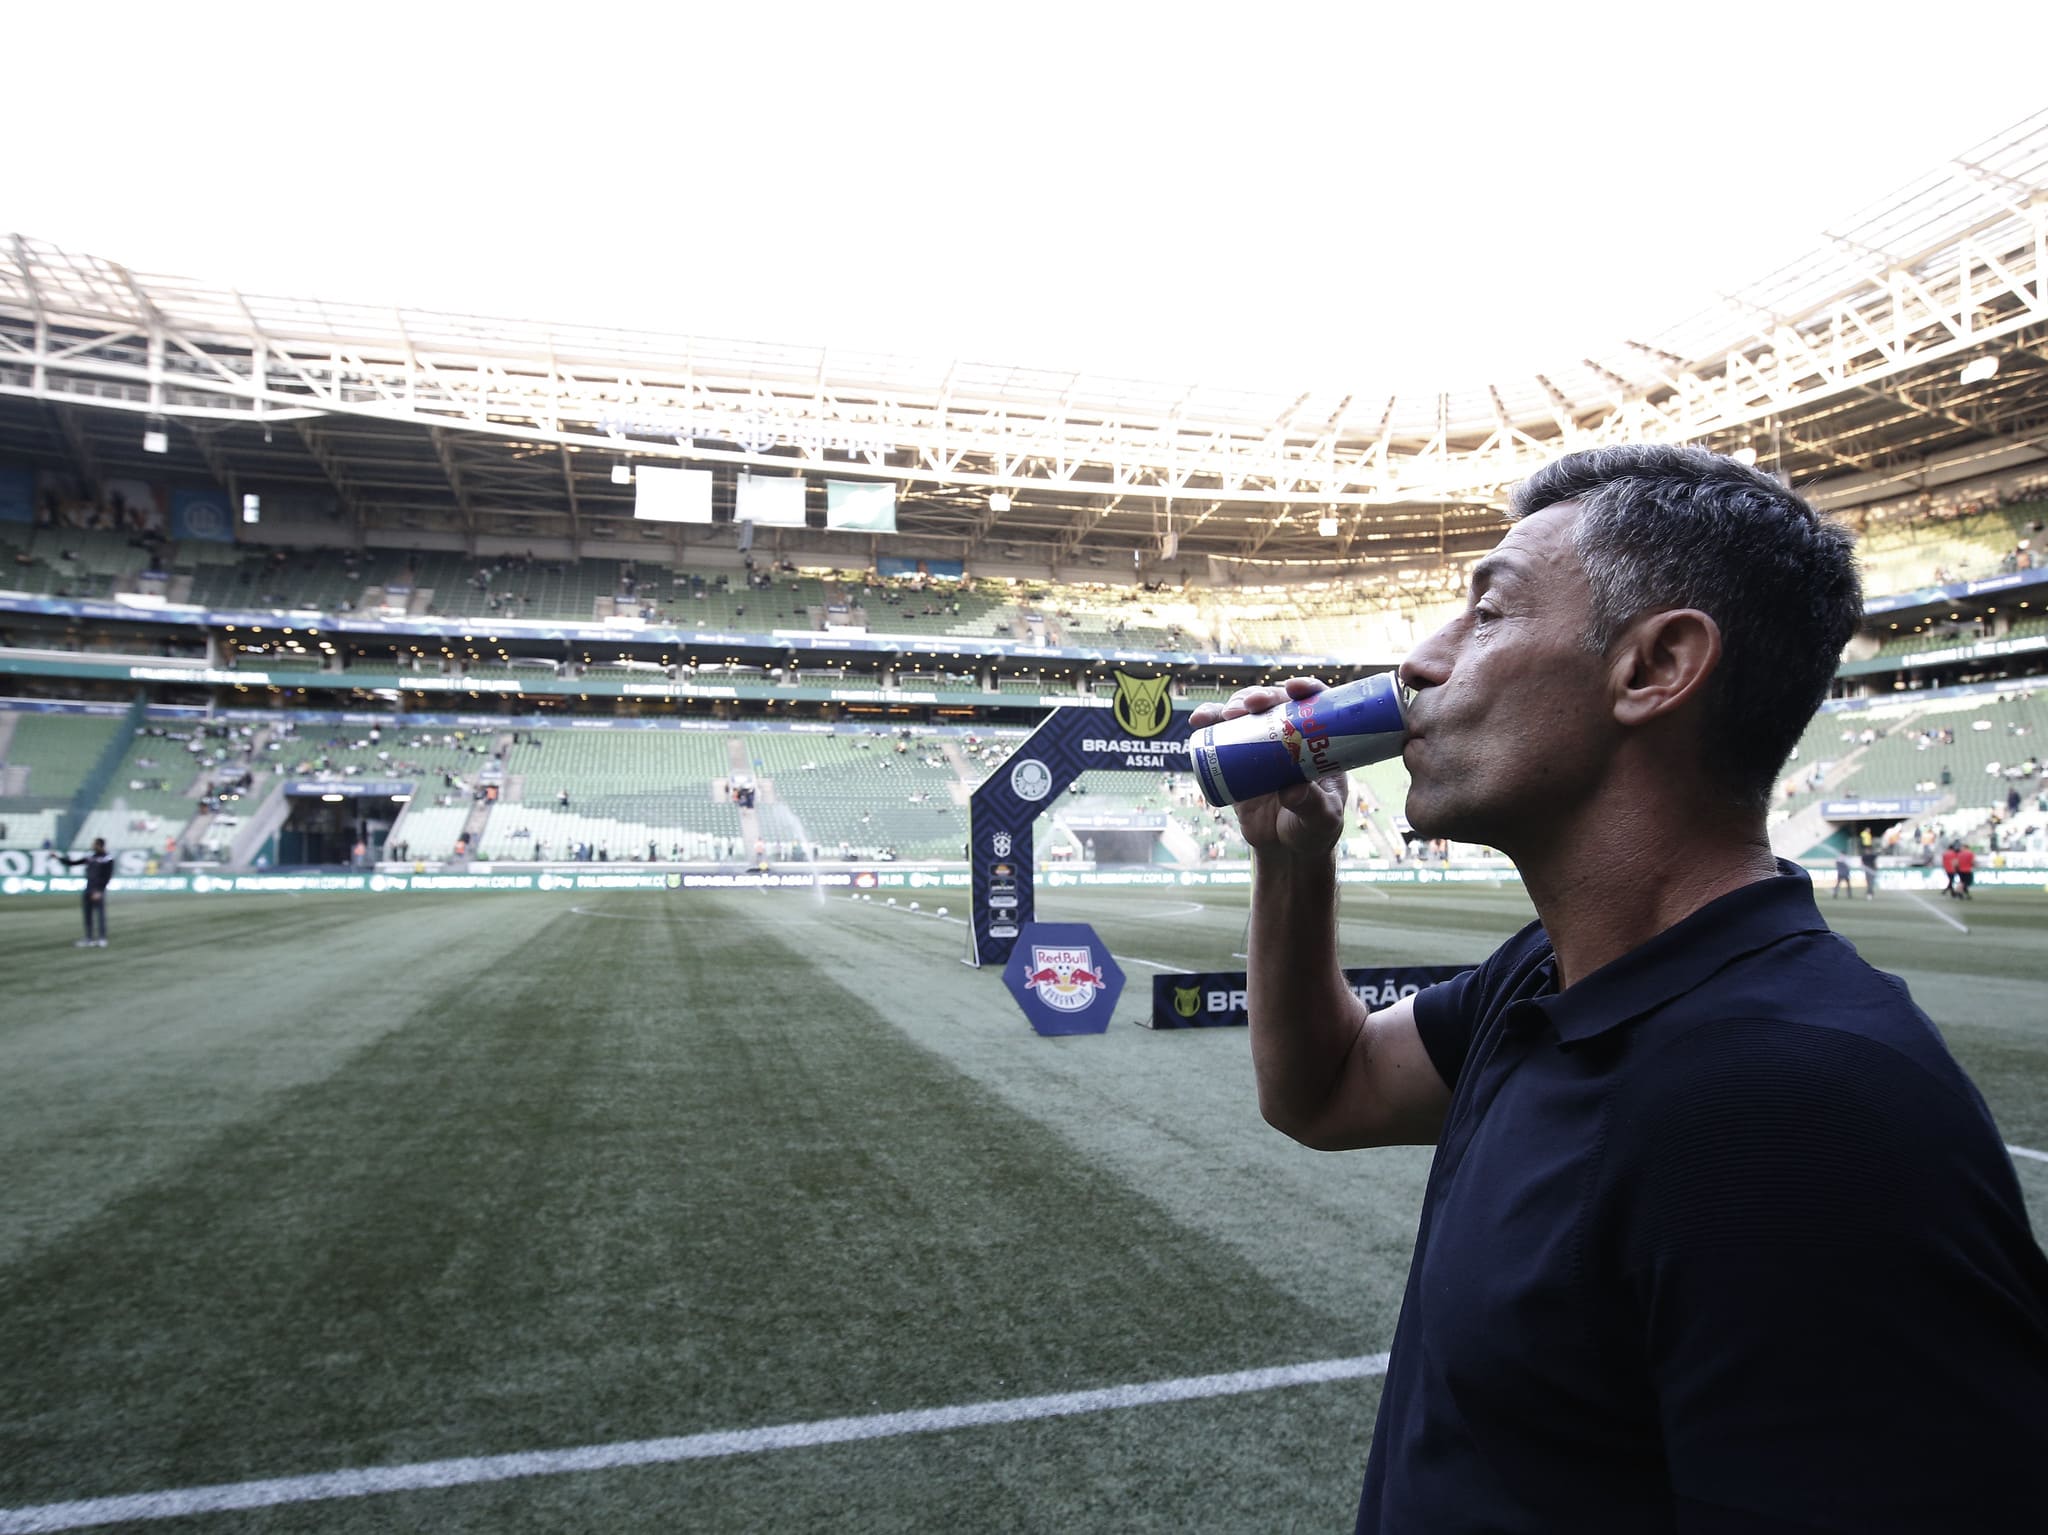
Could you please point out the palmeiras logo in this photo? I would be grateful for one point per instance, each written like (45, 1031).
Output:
(1187, 1000)
(1031, 780)
(1065, 978)
(1141, 706)
(999, 844)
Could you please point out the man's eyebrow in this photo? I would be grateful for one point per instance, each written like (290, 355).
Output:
(1492, 567)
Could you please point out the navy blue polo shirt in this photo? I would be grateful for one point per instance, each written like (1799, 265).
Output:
(1720, 1239)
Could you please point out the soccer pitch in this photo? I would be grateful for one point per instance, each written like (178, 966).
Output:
(307, 1185)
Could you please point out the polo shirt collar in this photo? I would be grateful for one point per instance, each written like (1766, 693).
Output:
(1684, 955)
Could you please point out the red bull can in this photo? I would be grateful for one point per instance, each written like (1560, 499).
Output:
(1302, 740)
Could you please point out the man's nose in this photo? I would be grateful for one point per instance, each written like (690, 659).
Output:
(1428, 664)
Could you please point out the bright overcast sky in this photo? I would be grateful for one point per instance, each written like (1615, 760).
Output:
(1275, 196)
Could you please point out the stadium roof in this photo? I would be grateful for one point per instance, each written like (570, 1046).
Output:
(1850, 371)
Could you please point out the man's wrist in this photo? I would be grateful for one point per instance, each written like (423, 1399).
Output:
(1282, 862)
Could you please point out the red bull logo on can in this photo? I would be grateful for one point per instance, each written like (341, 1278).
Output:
(1065, 978)
(1303, 735)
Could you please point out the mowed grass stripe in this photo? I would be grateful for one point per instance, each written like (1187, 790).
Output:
(115, 1063)
(602, 1181)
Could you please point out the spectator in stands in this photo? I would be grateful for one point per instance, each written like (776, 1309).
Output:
(99, 874)
(1693, 1154)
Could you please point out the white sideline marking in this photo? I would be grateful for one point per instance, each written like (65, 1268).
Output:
(1179, 909)
(2021, 1151)
(367, 1481)
(1951, 921)
(1122, 959)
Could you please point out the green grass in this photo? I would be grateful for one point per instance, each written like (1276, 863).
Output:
(307, 1183)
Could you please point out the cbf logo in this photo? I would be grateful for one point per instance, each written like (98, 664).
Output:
(1065, 978)
(999, 844)
(1141, 706)
(1187, 1000)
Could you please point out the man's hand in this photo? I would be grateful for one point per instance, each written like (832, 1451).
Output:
(1303, 820)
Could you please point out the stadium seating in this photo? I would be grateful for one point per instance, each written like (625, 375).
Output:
(1904, 553)
(27, 830)
(428, 831)
(346, 752)
(1989, 739)
(49, 757)
(69, 562)
(152, 777)
(627, 789)
(857, 790)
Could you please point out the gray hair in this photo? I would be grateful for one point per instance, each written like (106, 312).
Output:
(1663, 527)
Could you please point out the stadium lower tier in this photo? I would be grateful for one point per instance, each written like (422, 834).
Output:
(271, 788)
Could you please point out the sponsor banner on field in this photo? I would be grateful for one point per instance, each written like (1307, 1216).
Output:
(1064, 978)
(1915, 878)
(45, 864)
(1213, 999)
(40, 873)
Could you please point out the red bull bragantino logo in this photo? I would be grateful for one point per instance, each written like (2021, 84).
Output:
(1063, 978)
(1301, 731)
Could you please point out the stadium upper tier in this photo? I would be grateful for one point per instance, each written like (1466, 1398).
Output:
(1372, 615)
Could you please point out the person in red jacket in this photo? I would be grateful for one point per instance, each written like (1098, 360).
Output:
(1966, 870)
(1948, 867)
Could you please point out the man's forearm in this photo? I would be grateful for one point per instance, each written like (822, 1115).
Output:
(1304, 1019)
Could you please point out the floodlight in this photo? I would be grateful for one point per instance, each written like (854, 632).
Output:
(1745, 455)
(999, 501)
(252, 507)
(622, 474)
(156, 440)
(1979, 369)
(1327, 526)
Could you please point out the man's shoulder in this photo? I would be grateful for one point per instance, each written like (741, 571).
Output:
(1819, 1004)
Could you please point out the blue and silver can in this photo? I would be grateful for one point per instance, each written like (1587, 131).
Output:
(1302, 740)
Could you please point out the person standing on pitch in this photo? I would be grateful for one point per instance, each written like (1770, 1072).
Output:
(1717, 1235)
(99, 873)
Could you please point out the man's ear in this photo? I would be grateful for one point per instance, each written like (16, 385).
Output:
(1662, 661)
